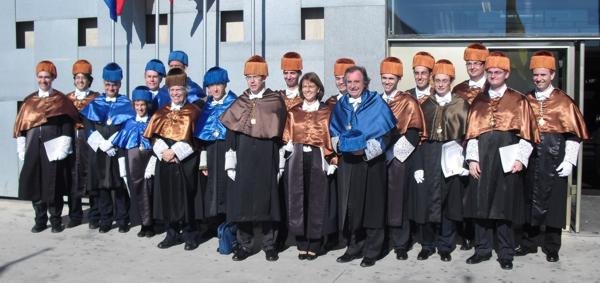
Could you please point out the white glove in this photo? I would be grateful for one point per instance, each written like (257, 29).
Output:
(419, 176)
(564, 169)
(105, 145)
(21, 141)
(111, 152)
(149, 172)
(231, 174)
(331, 169)
(289, 148)
(122, 169)
(279, 174)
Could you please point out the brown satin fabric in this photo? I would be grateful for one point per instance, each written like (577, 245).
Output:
(408, 113)
(289, 102)
(436, 117)
(269, 113)
(174, 125)
(80, 104)
(511, 112)
(311, 128)
(560, 114)
(35, 111)
(466, 92)
(331, 101)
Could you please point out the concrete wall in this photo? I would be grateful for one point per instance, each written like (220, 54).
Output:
(353, 29)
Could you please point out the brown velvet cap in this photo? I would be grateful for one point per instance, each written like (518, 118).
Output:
(291, 61)
(47, 66)
(176, 77)
(391, 65)
(256, 65)
(444, 66)
(82, 67)
(476, 52)
(543, 59)
(497, 59)
(340, 66)
(424, 59)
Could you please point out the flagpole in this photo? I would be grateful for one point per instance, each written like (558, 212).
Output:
(113, 41)
(204, 35)
(252, 14)
(156, 32)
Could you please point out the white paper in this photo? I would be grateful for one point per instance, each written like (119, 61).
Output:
(452, 159)
(508, 156)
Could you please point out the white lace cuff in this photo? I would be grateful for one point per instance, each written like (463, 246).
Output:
(21, 142)
(182, 149)
(334, 143)
(149, 172)
(525, 149)
(472, 150)
(203, 162)
(373, 149)
(571, 151)
(281, 158)
(158, 148)
(402, 149)
(230, 159)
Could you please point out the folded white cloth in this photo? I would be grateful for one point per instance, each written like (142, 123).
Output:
(94, 140)
(58, 148)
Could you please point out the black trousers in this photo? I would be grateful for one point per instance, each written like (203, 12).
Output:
(75, 208)
(367, 242)
(534, 237)
(438, 235)
(245, 234)
(400, 236)
(121, 206)
(186, 231)
(42, 209)
(308, 245)
(94, 211)
(484, 237)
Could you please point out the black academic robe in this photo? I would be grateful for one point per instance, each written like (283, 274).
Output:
(214, 186)
(103, 170)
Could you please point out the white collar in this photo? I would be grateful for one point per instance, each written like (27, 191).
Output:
(259, 95)
(154, 92)
(141, 119)
(421, 93)
(81, 94)
(355, 102)
(310, 107)
(217, 102)
(543, 95)
(443, 100)
(111, 99)
(339, 95)
(390, 97)
(43, 94)
(497, 93)
(176, 107)
(292, 93)
(479, 83)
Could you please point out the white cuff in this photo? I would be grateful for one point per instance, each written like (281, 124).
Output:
(402, 149)
(373, 149)
(149, 172)
(158, 148)
(203, 162)
(122, 169)
(281, 158)
(525, 149)
(230, 160)
(571, 151)
(334, 143)
(472, 150)
(58, 148)
(94, 140)
(21, 142)
(182, 149)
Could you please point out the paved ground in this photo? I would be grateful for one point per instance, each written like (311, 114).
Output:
(83, 255)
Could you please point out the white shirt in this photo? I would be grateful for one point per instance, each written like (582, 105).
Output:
(390, 97)
(421, 93)
(443, 100)
(543, 95)
(291, 93)
(176, 107)
(111, 99)
(43, 94)
(355, 102)
(310, 107)
(497, 93)
(154, 93)
(259, 95)
(141, 119)
(81, 94)
(339, 95)
(218, 102)
(479, 83)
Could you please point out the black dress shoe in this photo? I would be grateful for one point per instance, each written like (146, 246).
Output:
(38, 228)
(271, 255)
(367, 261)
(123, 228)
(311, 256)
(93, 225)
(521, 251)
(477, 258)
(190, 245)
(401, 255)
(57, 228)
(169, 242)
(506, 264)
(240, 254)
(347, 258)
(466, 245)
(73, 223)
(424, 254)
(445, 256)
(142, 233)
(552, 256)
(104, 228)
(150, 232)
(302, 256)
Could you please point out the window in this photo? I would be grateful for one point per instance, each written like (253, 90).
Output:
(163, 29)
(313, 24)
(25, 36)
(87, 32)
(232, 26)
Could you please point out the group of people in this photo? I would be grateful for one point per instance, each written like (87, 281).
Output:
(435, 165)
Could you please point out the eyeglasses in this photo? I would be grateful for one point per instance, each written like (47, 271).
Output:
(253, 78)
(444, 81)
(496, 73)
(474, 64)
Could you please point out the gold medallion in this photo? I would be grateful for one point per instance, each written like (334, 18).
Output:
(253, 121)
(216, 134)
(541, 121)
(439, 130)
